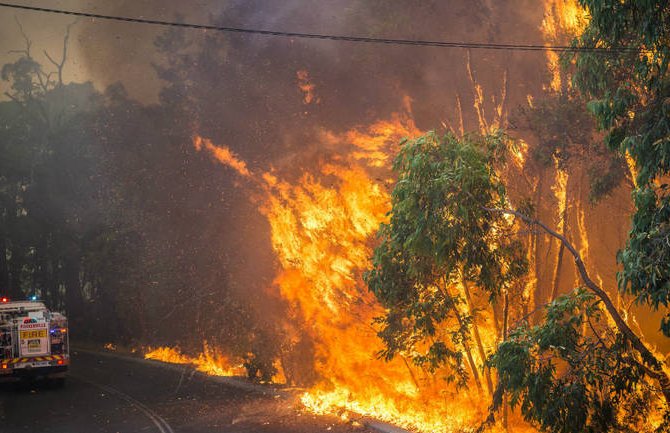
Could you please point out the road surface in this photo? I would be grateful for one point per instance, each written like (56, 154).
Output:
(114, 395)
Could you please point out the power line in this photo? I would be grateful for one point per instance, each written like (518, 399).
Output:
(359, 39)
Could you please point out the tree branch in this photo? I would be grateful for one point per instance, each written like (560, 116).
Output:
(647, 356)
(29, 43)
(53, 62)
(60, 65)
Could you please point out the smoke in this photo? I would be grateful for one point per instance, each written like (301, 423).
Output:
(247, 91)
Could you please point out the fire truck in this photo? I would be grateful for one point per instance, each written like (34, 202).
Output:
(34, 342)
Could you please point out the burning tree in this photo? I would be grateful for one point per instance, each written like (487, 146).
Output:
(581, 368)
(630, 91)
(438, 243)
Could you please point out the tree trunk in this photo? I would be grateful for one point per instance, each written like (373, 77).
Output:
(15, 265)
(496, 322)
(471, 361)
(536, 302)
(15, 268)
(466, 345)
(411, 373)
(478, 340)
(71, 280)
(559, 262)
(505, 320)
(4, 270)
(653, 366)
(41, 280)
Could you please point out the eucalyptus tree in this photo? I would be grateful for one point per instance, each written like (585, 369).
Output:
(580, 369)
(439, 245)
(629, 88)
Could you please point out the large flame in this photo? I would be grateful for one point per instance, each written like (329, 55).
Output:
(563, 20)
(322, 227)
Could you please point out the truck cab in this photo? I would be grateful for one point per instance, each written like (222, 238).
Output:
(34, 342)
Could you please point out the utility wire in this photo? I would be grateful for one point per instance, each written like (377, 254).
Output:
(360, 39)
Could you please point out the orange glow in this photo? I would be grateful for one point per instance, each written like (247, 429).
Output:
(565, 17)
(519, 154)
(487, 124)
(223, 155)
(322, 232)
(210, 361)
(563, 20)
(632, 168)
(560, 190)
(110, 346)
(373, 145)
(307, 88)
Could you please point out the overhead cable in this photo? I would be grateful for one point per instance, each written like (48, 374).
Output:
(345, 38)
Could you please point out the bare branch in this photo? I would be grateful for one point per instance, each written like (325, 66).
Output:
(61, 64)
(12, 97)
(29, 43)
(24, 52)
(477, 94)
(53, 62)
(595, 333)
(44, 80)
(524, 318)
(502, 107)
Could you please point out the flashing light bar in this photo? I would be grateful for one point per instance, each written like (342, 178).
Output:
(4, 299)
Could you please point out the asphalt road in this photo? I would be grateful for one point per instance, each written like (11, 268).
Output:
(113, 395)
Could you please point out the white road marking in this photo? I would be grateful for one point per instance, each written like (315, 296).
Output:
(159, 422)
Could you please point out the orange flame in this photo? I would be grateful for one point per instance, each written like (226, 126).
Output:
(210, 361)
(321, 231)
(223, 155)
(306, 87)
(563, 20)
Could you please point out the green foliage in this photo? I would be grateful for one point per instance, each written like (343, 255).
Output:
(605, 175)
(630, 92)
(573, 373)
(562, 126)
(22, 75)
(565, 131)
(441, 235)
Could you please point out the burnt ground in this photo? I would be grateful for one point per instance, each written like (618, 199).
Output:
(116, 395)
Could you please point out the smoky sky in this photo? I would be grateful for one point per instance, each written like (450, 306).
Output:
(106, 52)
(243, 90)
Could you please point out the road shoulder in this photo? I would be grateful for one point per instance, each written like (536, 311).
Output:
(235, 382)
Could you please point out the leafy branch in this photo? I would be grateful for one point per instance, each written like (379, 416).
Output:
(655, 366)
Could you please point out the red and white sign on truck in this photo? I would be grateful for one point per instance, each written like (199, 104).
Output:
(33, 342)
